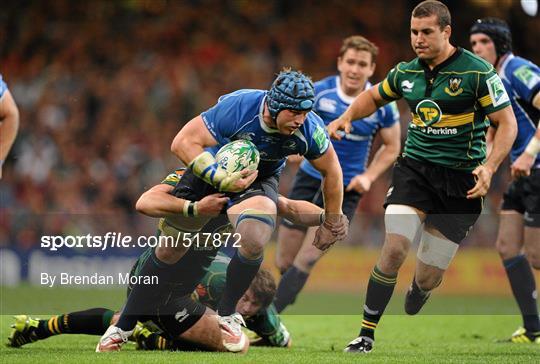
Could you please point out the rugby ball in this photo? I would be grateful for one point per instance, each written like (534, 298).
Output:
(238, 155)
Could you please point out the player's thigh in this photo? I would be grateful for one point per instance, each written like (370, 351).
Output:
(289, 243)
(205, 333)
(532, 245)
(510, 235)
(308, 254)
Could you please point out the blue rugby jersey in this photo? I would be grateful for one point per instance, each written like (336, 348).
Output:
(3, 86)
(239, 115)
(521, 78)
(353, 149)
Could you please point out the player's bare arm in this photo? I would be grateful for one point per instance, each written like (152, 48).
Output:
(9, 124)
(503, 139)
(158, 202)
(308, 214)
(332, 187)
(383, 159)
(364, 105)
(523, 164)
(188, 145)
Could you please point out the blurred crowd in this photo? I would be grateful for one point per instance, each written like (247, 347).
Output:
(103, 87)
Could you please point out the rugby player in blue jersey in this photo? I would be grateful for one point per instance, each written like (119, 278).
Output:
(518, 241)
(280, 123)
(296, 256)
(9, 122)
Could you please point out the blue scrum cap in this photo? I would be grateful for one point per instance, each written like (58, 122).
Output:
(291, 90)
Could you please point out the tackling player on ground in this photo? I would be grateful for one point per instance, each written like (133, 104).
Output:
(171, 304)
(438, 183)
(296, 256)
(256, 306)
(519, 226)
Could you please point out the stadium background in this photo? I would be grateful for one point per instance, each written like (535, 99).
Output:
(103, 87)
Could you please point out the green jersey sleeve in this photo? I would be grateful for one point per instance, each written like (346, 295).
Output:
(388, 88)
(491, 94)
(269, 327)
(173, 178)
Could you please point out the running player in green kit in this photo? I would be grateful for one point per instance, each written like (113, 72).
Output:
(438, 183)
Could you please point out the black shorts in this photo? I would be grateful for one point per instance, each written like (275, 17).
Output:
(439, 192)
(523, 196)
(308, 188)
(193, 188)
(176, 315)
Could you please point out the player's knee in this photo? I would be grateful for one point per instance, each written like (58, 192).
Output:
(283, 263)
(306, 260)
(395, 256)
(506, 248)
(533, 258)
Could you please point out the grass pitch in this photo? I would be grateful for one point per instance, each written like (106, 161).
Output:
(453, 331)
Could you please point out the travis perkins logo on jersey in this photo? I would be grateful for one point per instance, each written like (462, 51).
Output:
(453, 88)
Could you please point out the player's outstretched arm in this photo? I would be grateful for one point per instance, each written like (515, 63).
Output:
(332, 188)
(523, 164)
(363, 105)
(383, 159)
(9, 124)
(158, 202)
(504, 137)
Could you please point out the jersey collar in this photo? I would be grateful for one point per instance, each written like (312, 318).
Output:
(445, 63)
(505, 63)
(265, 127)
(343, 96)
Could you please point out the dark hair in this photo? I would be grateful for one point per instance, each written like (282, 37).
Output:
(263, 287)
(359, 43)
(432, 7)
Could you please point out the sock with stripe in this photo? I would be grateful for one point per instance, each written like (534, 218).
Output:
(379, 292)
(156, 342)
(94, 321)
(523, 285)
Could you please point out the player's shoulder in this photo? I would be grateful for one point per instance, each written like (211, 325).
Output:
(327, 83)
(3, 86)
(471, 63)
(174, 177)
(518, 63)
(243, 96)
(408, 66)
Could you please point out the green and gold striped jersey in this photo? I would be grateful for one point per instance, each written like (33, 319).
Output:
(449, 105)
